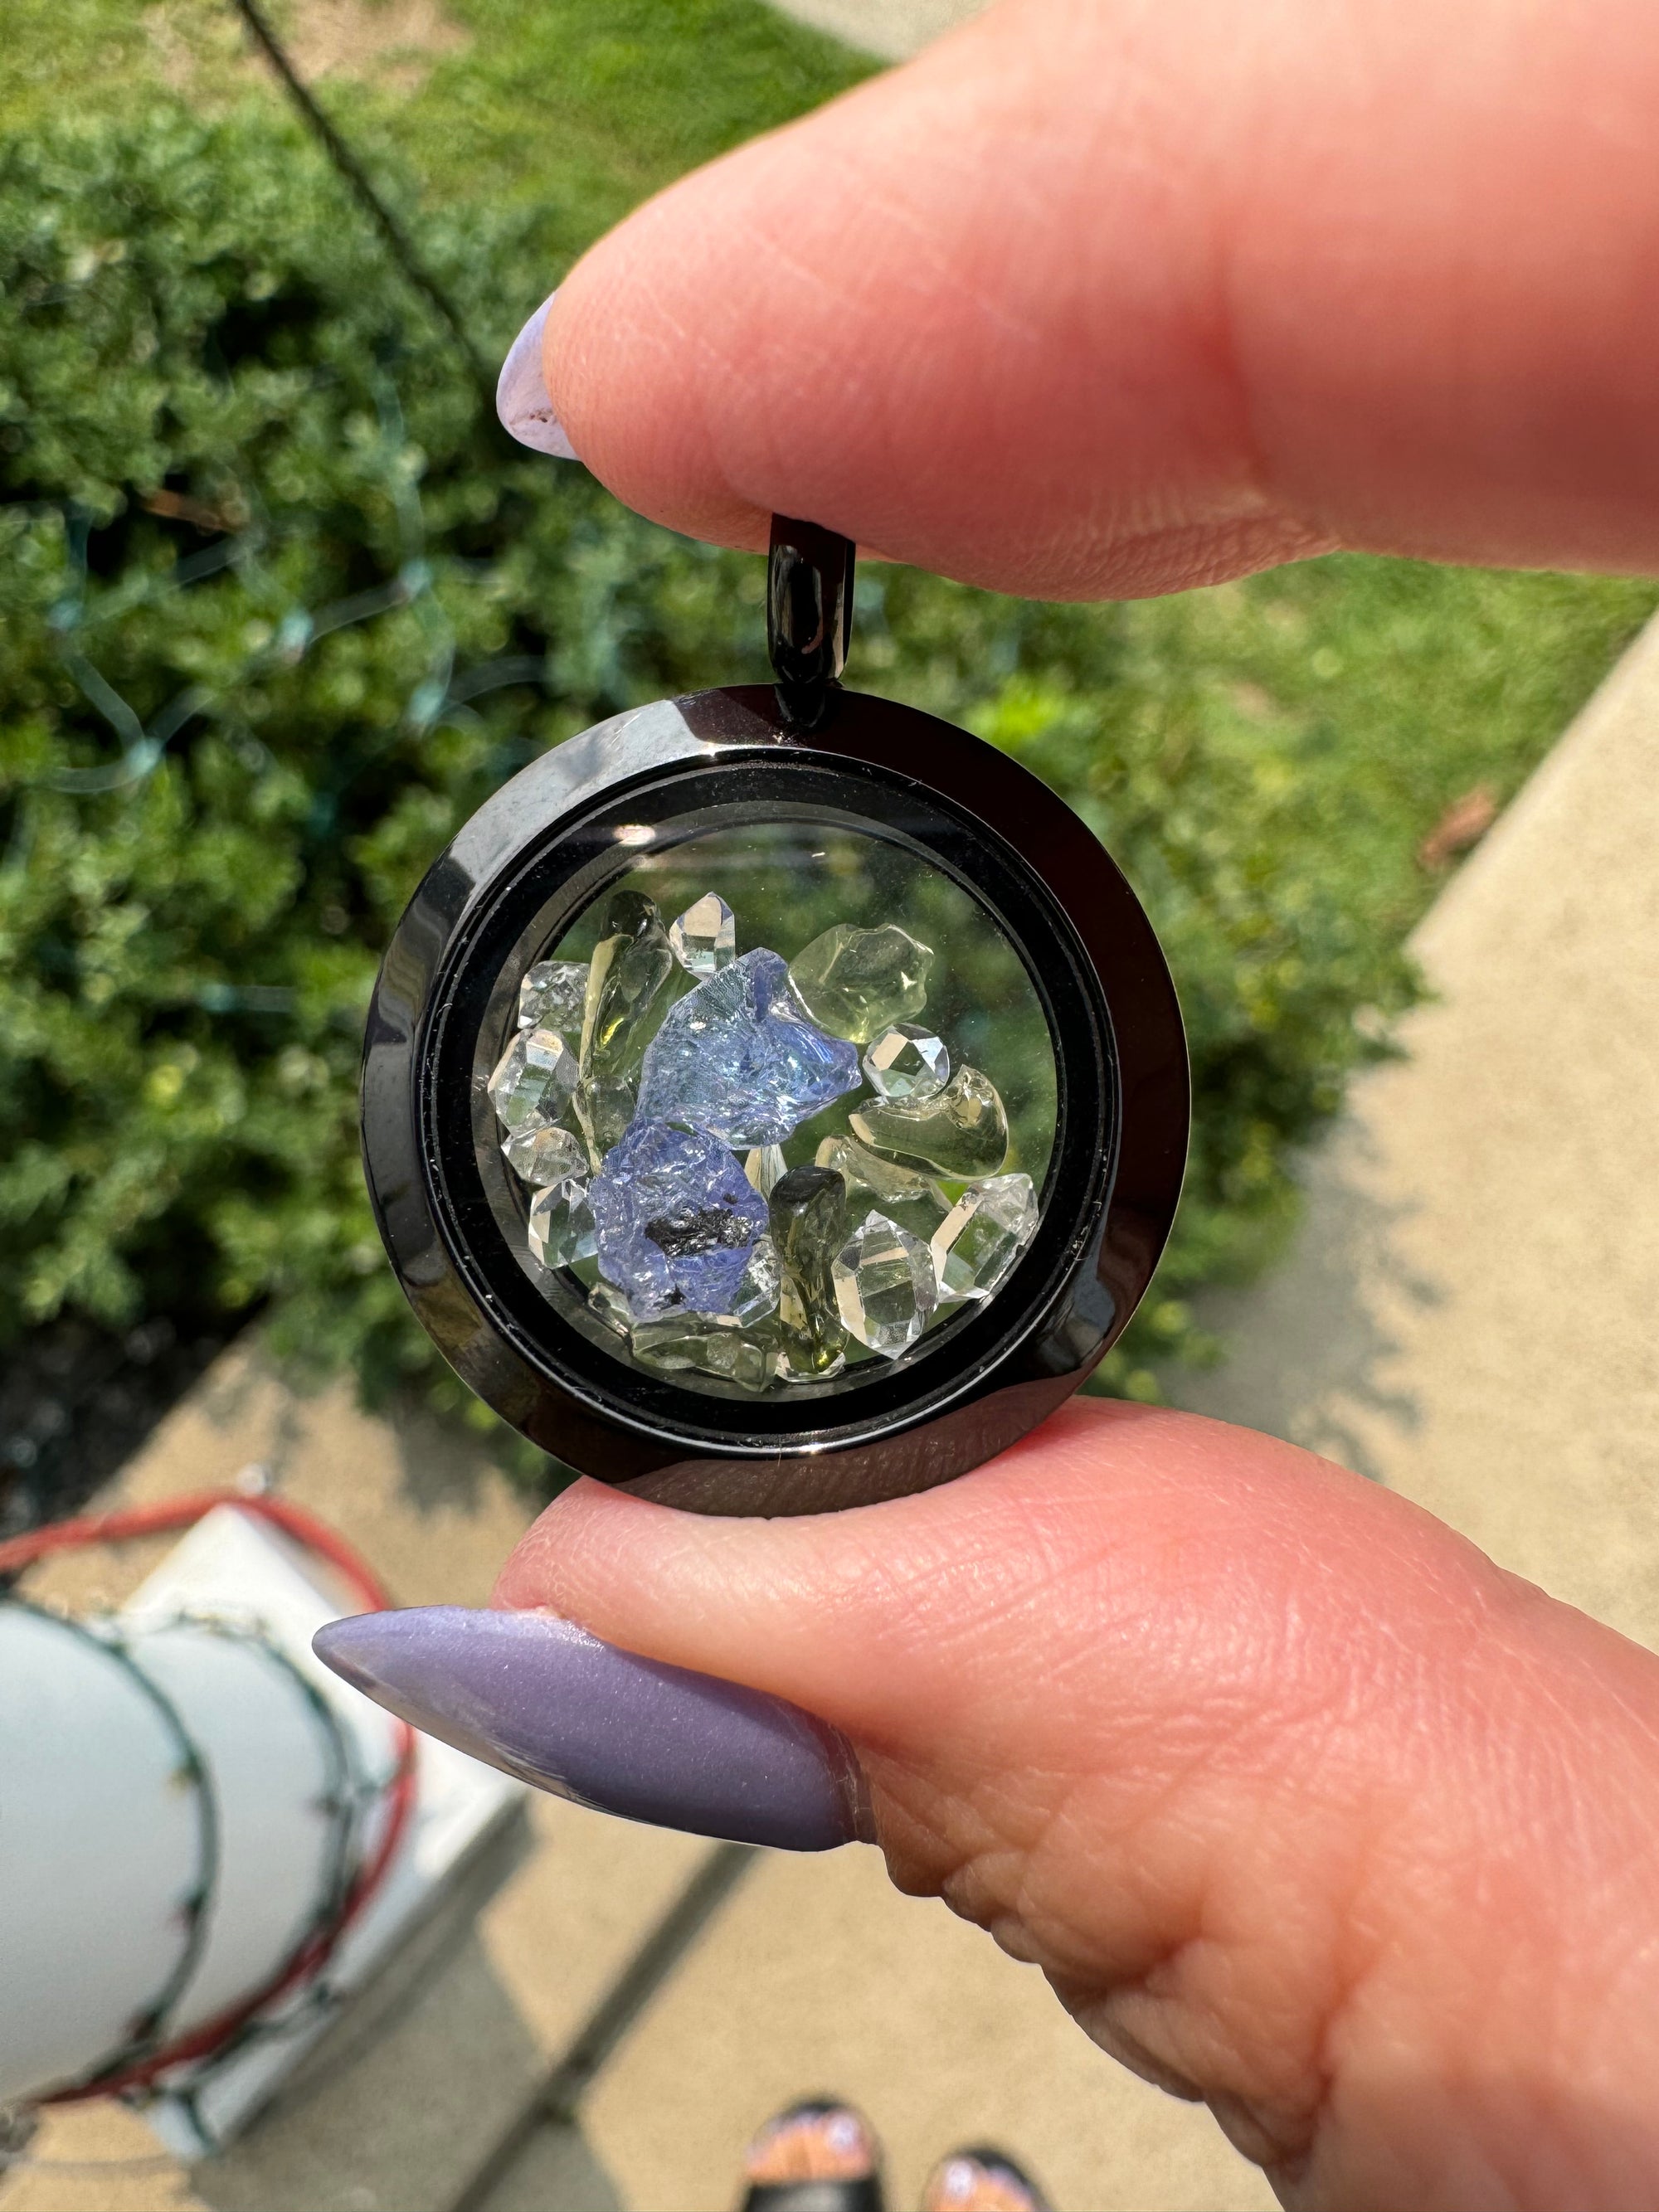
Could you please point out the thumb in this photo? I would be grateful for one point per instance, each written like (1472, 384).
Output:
(1302, 1805)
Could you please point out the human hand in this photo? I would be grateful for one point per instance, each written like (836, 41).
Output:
(1109, 299)
(1302, 1805)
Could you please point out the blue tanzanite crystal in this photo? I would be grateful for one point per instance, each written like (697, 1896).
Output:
(739, 1056)
(674, 1218)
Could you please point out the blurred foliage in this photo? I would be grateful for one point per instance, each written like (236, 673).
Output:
(566, 113)
(277, 610)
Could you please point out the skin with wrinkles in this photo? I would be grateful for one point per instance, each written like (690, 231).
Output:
(1107, 297)
(1302, 1806)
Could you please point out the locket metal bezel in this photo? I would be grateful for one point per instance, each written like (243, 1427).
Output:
(1121, 1140)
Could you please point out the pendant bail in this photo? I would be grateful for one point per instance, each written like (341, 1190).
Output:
(809, 616)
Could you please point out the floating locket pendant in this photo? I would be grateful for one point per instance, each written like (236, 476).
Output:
(774, 1099)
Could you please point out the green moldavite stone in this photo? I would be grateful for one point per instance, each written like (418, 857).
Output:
(857, 982)
(607, 1303)
(962, 1130)
(809, 1227)
(631, 963)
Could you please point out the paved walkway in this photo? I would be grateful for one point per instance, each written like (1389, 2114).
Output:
(1469, 1313)
(892, 28)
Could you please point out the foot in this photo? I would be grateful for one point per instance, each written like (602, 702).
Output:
(980, 2181)
(817, 2140)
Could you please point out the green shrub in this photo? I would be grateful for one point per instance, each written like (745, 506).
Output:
(277, 608)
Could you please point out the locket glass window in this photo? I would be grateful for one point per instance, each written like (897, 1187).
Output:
(774, 1113)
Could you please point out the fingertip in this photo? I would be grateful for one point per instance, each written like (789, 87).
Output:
(621, 363)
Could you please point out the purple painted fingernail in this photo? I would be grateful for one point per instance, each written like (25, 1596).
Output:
(522, 399)
(546, 1701)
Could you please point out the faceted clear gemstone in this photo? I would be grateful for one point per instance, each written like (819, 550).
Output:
(676, 1218)
(603, 1108)
(631, 963)
(906, 1061)
(546, 1155)
(757, 1294)
(885, 1290)
(551, 996)
(855, 982)
(962, 1130)
(606, 1303)
(809, 1223)
(533, 1079)
(561, 1224)
(705, 937)
(905, 1194)
(682, 1342)
(982, 1236)
(763, 1167)
(737, 1056)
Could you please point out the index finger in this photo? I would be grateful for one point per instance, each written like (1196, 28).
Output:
(1113, 299)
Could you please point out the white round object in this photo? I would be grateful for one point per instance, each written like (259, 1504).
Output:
(171, 1809)
(101, 1847)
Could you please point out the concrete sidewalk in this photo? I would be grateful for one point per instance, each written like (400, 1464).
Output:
(1468, 1312)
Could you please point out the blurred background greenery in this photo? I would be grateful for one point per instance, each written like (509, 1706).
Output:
(279, 605)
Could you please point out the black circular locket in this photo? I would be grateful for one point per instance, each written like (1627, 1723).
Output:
(774, 1099)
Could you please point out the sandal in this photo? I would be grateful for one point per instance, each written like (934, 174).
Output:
(819, 2156)
(980, 2178)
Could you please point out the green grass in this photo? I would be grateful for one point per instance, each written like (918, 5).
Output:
(572, 111)
(577, 110)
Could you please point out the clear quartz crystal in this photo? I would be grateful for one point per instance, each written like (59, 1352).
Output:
(532, 1080)
(606, 1303)
(855, 982)
(631, 963)
(562, 1224)
(551, 996)
(885, 1284)
(982, 1236)
(907, 1062)
(765, 1167)
(962, 1130)
(705, 937)
(757, 1294)
(543, 1155)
